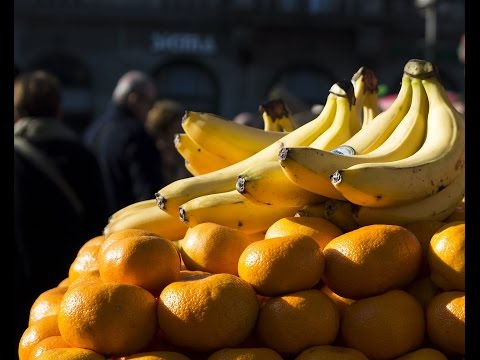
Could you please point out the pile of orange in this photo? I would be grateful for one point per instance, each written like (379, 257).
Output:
(303, 290)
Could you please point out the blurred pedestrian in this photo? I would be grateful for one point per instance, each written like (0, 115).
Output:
(128, 156)
(164, 121)
(59, 198)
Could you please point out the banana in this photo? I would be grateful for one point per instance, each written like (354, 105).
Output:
(337, 212)
(171, 196)
(226, 138)
(311, 168)
(276, 116)
(372, 136)
(370, 108)
(312, 210)
(127, 210)
(339, 131)
(199, 159)
(435, 207)
(146, 216)
(234, 210)
(266, 183)
(364, 82)
(433, 167)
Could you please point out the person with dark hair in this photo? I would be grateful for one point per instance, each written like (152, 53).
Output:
(59, 195)
(164, 121)
(129, 159)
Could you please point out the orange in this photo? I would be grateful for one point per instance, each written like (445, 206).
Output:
(33, 334)
(156, 355)
(424, 230)
(47, 303)
(384, 326)
(111, 319)
(70, 354)
(446, 321)
(213, 248)
(93, 242)
(85, 262)
(186, 275)
(330, 352)
(340, 301)
(423, 354)
(259, 353)
(51, 342)
(423, 290)
(123, 234)
(150, 262)
(371, 260)
(291, 323)
(282, 265)
(208, 314)
(65, 282)
(459, 212)
(446, 257)
(319, 229)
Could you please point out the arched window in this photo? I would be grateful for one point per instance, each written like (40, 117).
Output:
(76, 81)
(302, 86)
(189, 83)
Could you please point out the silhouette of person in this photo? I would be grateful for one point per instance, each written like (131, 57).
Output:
(130, 162)
(59, 196)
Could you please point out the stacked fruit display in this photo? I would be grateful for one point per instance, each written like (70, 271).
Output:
(339, 239)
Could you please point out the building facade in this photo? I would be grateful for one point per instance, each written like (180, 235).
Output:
(228, 56)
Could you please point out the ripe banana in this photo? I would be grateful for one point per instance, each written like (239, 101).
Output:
(147, 216)
(433, 167)
(370, 107)
(234, 210)
(129, 209)
(265, 183)
(336, 211)
(364, 82)
(373, 135)
(171, 196)
(339, 131)
(276, 116)
(231, 140)
(201, 160)
(311, 168)
(435, 207)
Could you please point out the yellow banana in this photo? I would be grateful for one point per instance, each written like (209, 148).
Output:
(372, 136)
(234, 210)
(339, 131)
(127, 210)
(364, 82)
(231, 140)
(435, 207)
(311, 168)
(149, 217)
(266, 183)
(433, 167)
(370, 108)
(312, 210)
(199, 159)
(171, 196)
(276, 116)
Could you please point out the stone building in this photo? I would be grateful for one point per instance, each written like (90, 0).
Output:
(226, 57)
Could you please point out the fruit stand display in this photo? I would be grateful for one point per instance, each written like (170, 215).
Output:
(343, 238)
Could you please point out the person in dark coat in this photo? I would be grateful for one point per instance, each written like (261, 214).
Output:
(129, 159)
(59, 194)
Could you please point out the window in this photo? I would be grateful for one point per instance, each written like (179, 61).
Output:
(191, 84)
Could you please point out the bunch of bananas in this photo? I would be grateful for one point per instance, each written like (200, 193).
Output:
(351, 164)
